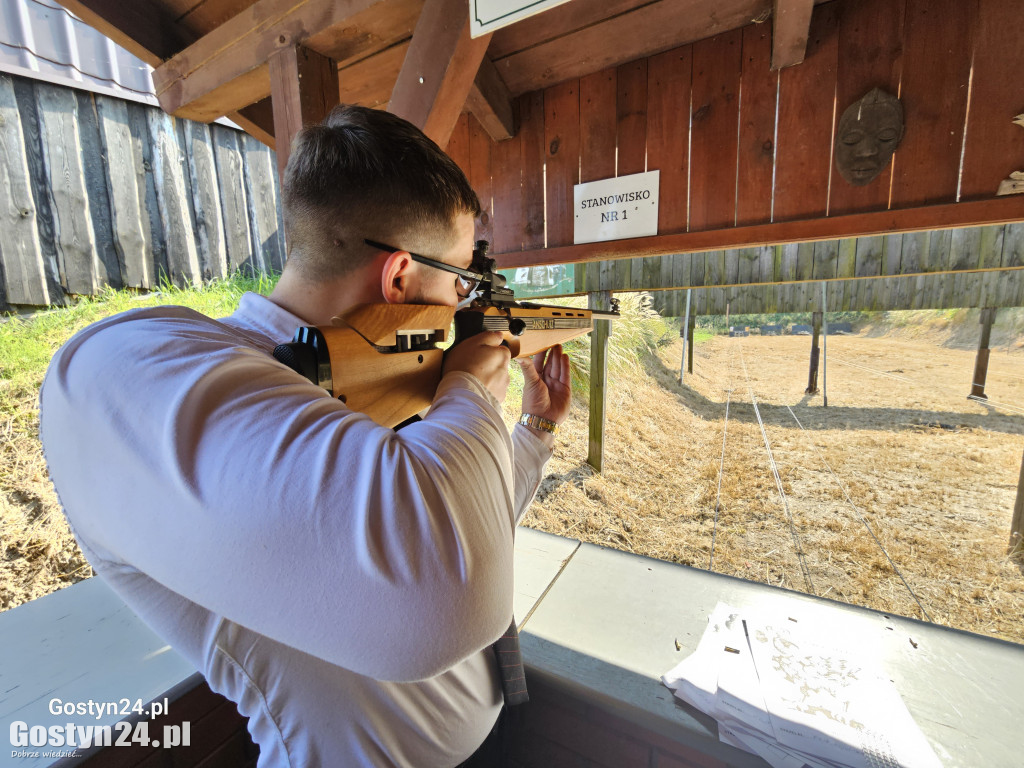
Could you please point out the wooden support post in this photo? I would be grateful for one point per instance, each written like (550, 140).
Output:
(1017, 524)
(812, 376)
(304, 89)
(824, 344)
(988, 316)
(689, 350)
(598, 377)
(685, 335)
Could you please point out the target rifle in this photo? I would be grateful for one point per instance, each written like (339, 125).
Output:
(384, 360)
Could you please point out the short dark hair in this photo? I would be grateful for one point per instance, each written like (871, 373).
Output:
(372, 169)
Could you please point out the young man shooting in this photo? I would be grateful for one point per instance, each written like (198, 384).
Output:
(340, 581)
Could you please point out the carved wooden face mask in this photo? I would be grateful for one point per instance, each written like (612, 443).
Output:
(869, 132)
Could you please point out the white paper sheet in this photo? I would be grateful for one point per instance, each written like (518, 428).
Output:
(695, 678)
(796, 693)
(830, 703)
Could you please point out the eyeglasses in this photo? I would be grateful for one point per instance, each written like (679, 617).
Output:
(467, 280)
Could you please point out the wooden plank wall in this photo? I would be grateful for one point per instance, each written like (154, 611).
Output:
(942, 251)
(971, 289)
(738, 144)
(98, 192)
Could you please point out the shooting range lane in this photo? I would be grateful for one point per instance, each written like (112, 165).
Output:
(898, 497)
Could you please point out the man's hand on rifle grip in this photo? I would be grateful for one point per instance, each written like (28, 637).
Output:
(484, 357)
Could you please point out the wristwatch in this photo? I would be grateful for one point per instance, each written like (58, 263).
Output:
(538, 422)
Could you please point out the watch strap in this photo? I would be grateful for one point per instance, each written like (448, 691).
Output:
(538, 422)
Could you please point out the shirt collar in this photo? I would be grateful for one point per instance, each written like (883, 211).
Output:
(261, 314)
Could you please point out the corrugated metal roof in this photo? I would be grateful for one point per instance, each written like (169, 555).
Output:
(42, 40)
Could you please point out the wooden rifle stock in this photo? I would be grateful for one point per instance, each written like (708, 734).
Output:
(383, 359)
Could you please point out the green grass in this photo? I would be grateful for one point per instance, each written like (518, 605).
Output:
(28, 343)
(637, 334)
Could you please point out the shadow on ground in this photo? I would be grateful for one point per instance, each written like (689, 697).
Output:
(813, 415)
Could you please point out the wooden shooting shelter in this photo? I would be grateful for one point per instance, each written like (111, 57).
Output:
(735, 102)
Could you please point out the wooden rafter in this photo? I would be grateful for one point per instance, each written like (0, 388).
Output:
(144, 30)
(491, 103)
(791, 23)
(439, 69)
(153, 38)
(257, 120)
(304, 88)
(227, 69)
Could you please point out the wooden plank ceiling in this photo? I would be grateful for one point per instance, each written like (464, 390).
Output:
(211, 56)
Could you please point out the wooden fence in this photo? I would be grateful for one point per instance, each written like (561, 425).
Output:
(951, 251)
(96, 192)
(962, 290)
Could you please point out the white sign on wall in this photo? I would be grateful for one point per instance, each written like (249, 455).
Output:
(488, 15)
(613, 209)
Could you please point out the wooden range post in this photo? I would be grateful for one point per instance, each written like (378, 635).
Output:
(988, 316)
(812, 376)
(689, 350)
(684, 333)
(598, 377)
(304, 89)
(1017, 524)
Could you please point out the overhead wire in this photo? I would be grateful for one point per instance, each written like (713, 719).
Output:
(867, 525)
(1016, 409)
(845, 491)
(721, 466)
(801, 556)
(798, 545)
(718, 495)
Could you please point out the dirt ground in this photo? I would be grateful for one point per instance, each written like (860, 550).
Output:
(898, 495)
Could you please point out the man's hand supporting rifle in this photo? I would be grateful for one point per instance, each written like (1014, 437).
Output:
(383, 359)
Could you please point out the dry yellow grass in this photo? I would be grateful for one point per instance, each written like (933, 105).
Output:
(933, 474)
(38, 553)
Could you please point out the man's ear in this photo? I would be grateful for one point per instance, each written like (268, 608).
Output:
(395, 278)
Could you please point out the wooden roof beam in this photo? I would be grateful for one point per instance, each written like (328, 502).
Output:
(145, 30)
(491, 103)
(154, 39)
(791, 24)
(439, 69)
(227, 69)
